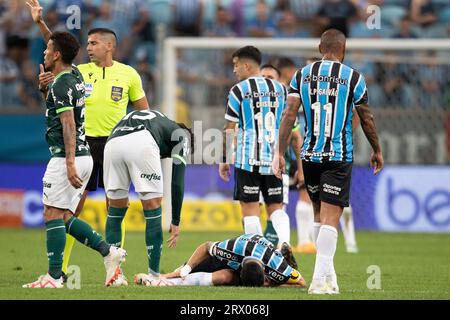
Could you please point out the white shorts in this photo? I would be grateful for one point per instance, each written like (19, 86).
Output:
(285, 191)
(57, 190)
(134, 157)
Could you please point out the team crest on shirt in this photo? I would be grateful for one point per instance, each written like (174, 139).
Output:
(116, 93)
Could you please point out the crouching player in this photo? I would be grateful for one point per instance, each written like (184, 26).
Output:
(133, 153)
(247, 260)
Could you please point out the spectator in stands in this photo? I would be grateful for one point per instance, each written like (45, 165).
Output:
(16, 52)
(142, 37)
(305, 10)
(433, 80)
(360, 61)
(15, 19)
(263, 24)
(404, 30)
(104, 18)
(187, 17)
(148, 79)
(391, 75)
(337, 14)
(236, 10)
(288, 26)
(222, 26)
(423, 12)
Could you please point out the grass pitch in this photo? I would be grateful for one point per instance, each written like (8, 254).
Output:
(412, 266)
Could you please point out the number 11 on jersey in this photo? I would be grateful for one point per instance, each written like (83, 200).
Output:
(317, 109)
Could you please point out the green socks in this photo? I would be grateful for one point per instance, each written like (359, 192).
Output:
(153, 238)
(270, 233)
(83, 232)
(113, 228)
(56, 241)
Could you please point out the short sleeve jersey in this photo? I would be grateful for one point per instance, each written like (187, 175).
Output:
(108, 92)
(65, 93)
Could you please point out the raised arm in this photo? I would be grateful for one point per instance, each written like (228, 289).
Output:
(36, 14)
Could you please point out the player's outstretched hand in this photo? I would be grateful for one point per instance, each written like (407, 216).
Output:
(377, 162)
(278, 165)
(224, 171)
(36, 10)
(174, 233)
(73, 177)
(45, 78)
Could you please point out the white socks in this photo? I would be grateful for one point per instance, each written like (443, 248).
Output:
(280, 222)
(326, 248)
(304, 214)
(316, 229)
(252, 224)
(194, 279)
(348, 229)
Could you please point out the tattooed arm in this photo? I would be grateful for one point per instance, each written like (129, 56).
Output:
(287, 123)
(69, 134)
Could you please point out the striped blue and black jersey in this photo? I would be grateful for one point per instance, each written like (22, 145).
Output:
(236, 249)
(328, 91)
(257, 104)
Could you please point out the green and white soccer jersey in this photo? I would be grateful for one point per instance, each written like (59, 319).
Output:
(66, 93)
(170, 138)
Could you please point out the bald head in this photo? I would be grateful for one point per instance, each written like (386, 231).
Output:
(332, 43)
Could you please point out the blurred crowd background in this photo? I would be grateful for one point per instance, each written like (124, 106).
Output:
(141, 25)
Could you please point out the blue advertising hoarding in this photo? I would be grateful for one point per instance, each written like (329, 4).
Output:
(400, 198)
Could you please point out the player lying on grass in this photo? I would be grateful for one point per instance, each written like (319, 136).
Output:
(248, 260)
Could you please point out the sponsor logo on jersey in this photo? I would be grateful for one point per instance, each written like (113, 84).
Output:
(80, 102)
(151, 177)
(116, 93)
(254, 162)
(88, 89)
(225, 254)
(332, 79)
(256, 94)
(47, 185)
(276, 275)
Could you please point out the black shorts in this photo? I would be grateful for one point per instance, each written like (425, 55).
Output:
(247, 186)
(211, 264)
(328, 182)
(97, 146)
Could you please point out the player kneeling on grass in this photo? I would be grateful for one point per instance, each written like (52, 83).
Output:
(133, 153)
(247, 260)
(69, 168)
